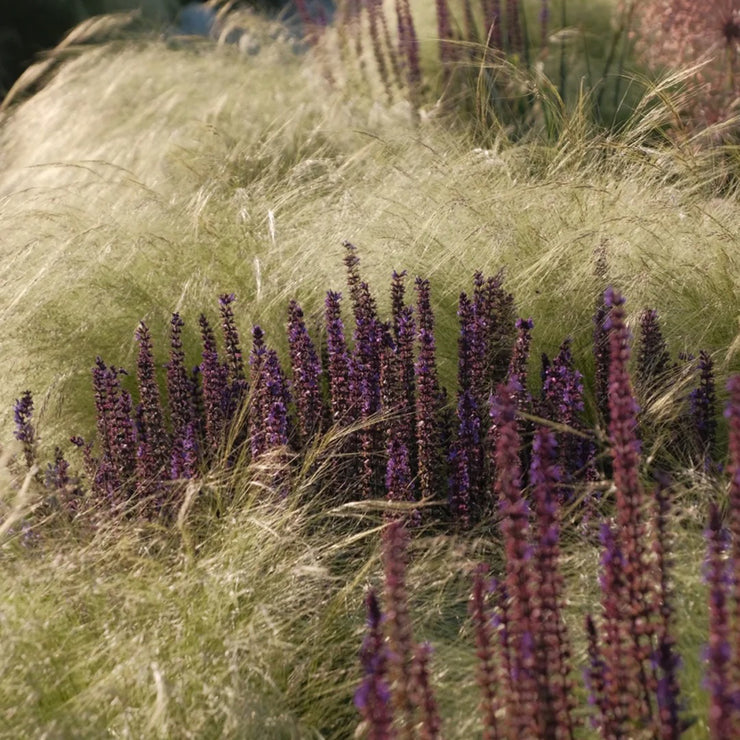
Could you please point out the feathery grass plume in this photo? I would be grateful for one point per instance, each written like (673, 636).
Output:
(635, 605)
(154, 449)
(24, 431)
(653, 360)
(703, 409)
(431, 724)
(523, 694)
(666, 658)
(215, 390)
(552, 645)
(719, 679)
(372, 697)
(486, 672)
(428, 396)
(306, 371)
(116, 466)
(398, 624)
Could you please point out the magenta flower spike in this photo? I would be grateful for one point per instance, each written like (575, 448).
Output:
(487, 674)
(431, 724)
(398, 624)
(703, 409)
(552, 644)
(518, 551)
(372, 697)
(636, 606)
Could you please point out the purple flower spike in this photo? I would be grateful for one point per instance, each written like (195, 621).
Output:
(552, 643)
(154, 442)
(234, 360)
(398, 621)
(116, 434)
(340, 369)
(215, 389)
(516, 535)
(431, 725)
(372, 697)
(666, 659)
(428, 395)
(635, 606)
(722, 706)
(703, 408)
(485, 643)
(306, 375)
(653, 359)
(24, 431)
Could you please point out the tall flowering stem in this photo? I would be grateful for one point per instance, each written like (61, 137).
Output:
(516, 535)
(485, 644)
(667, 659)
(215, 390)
(562, 401)
(424, 699)
(369, 338)
(635, 604)
(181, 405)
(306, 369)
(116, 467)
(732, 412)
(343, 407)
(722, 710)
(428, 395)
(400, 634)
(372, 697)
(653, 360)
(703, 408)
(154, 443)
(24, 431)
(552, 644)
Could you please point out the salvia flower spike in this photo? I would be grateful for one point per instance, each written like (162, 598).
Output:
(372, 697)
